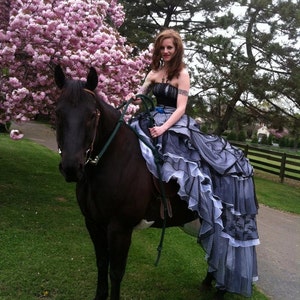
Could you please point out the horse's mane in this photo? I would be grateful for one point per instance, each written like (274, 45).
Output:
(108, 108)
(73, 91)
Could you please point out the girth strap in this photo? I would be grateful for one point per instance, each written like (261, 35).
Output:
(171, 190)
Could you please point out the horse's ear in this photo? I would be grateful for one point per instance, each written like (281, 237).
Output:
(59, 76)
(92, 79)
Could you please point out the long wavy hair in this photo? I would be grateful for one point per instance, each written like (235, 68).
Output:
(176, 64)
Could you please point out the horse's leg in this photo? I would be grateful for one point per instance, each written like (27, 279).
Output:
(206, 284)
(219, 295)
(119, 242)
(98, 235)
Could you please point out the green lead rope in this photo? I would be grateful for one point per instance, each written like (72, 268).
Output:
(146, 100)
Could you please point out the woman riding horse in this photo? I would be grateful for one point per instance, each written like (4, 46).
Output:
(213, 179)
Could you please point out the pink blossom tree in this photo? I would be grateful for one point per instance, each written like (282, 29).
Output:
(74, 33)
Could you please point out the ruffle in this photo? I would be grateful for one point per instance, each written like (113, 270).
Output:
(216, 181)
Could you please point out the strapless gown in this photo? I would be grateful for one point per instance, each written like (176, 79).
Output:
(216, 180)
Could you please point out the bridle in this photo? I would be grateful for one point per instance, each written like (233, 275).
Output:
(111, 137)
(91, 147)
(89, 151)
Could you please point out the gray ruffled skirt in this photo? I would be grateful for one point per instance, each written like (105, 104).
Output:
(216, 180)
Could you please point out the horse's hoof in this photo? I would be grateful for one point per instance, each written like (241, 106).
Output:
(219, 295)
(101, 297)
(205, 287)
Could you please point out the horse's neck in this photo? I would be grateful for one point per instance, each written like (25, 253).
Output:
(108, 121)
(109, 116)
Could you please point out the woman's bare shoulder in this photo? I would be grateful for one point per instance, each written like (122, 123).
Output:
(184, 72)
(153, 76)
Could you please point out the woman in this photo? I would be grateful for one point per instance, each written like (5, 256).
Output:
(214, 177)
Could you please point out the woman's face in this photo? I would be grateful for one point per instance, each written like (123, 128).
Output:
(167, 49)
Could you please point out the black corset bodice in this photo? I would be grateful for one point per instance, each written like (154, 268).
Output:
(165, 94)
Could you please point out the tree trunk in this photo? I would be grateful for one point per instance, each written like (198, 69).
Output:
(242, 84)
(223, 124)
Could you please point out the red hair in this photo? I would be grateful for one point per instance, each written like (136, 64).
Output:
(176, 64)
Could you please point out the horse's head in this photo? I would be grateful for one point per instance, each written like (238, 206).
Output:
(76, 121)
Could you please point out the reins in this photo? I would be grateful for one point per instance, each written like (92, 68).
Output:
(118, 125)
(146, 100)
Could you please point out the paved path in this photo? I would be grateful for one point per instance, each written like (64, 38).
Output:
(39, 133)
(278, 254)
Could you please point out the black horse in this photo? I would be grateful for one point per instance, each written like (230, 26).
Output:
(116, 193)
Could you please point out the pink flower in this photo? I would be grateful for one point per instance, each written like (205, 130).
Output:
(76, 35)
(15, 134)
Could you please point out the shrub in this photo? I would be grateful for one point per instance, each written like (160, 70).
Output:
(270, 140)
(231, 136)
(291, 143)
(264, 140)
(4, 127)
(241, 137)
(254, 140)
(204, 128)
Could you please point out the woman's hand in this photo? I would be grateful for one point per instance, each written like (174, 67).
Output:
(129, 96)
(156, 131)
(135, 101)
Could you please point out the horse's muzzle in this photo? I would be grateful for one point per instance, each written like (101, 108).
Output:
(72, 173)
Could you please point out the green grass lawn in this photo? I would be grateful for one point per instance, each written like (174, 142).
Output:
(273, 159)
(275, 165)
(46, 252)
(277, 195)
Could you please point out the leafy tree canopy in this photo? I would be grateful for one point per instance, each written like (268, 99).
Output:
(238, 52)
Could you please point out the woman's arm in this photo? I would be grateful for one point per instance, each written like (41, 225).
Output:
(144, 89)
(182, 98)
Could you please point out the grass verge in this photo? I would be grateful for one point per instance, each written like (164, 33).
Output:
(272, 193)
